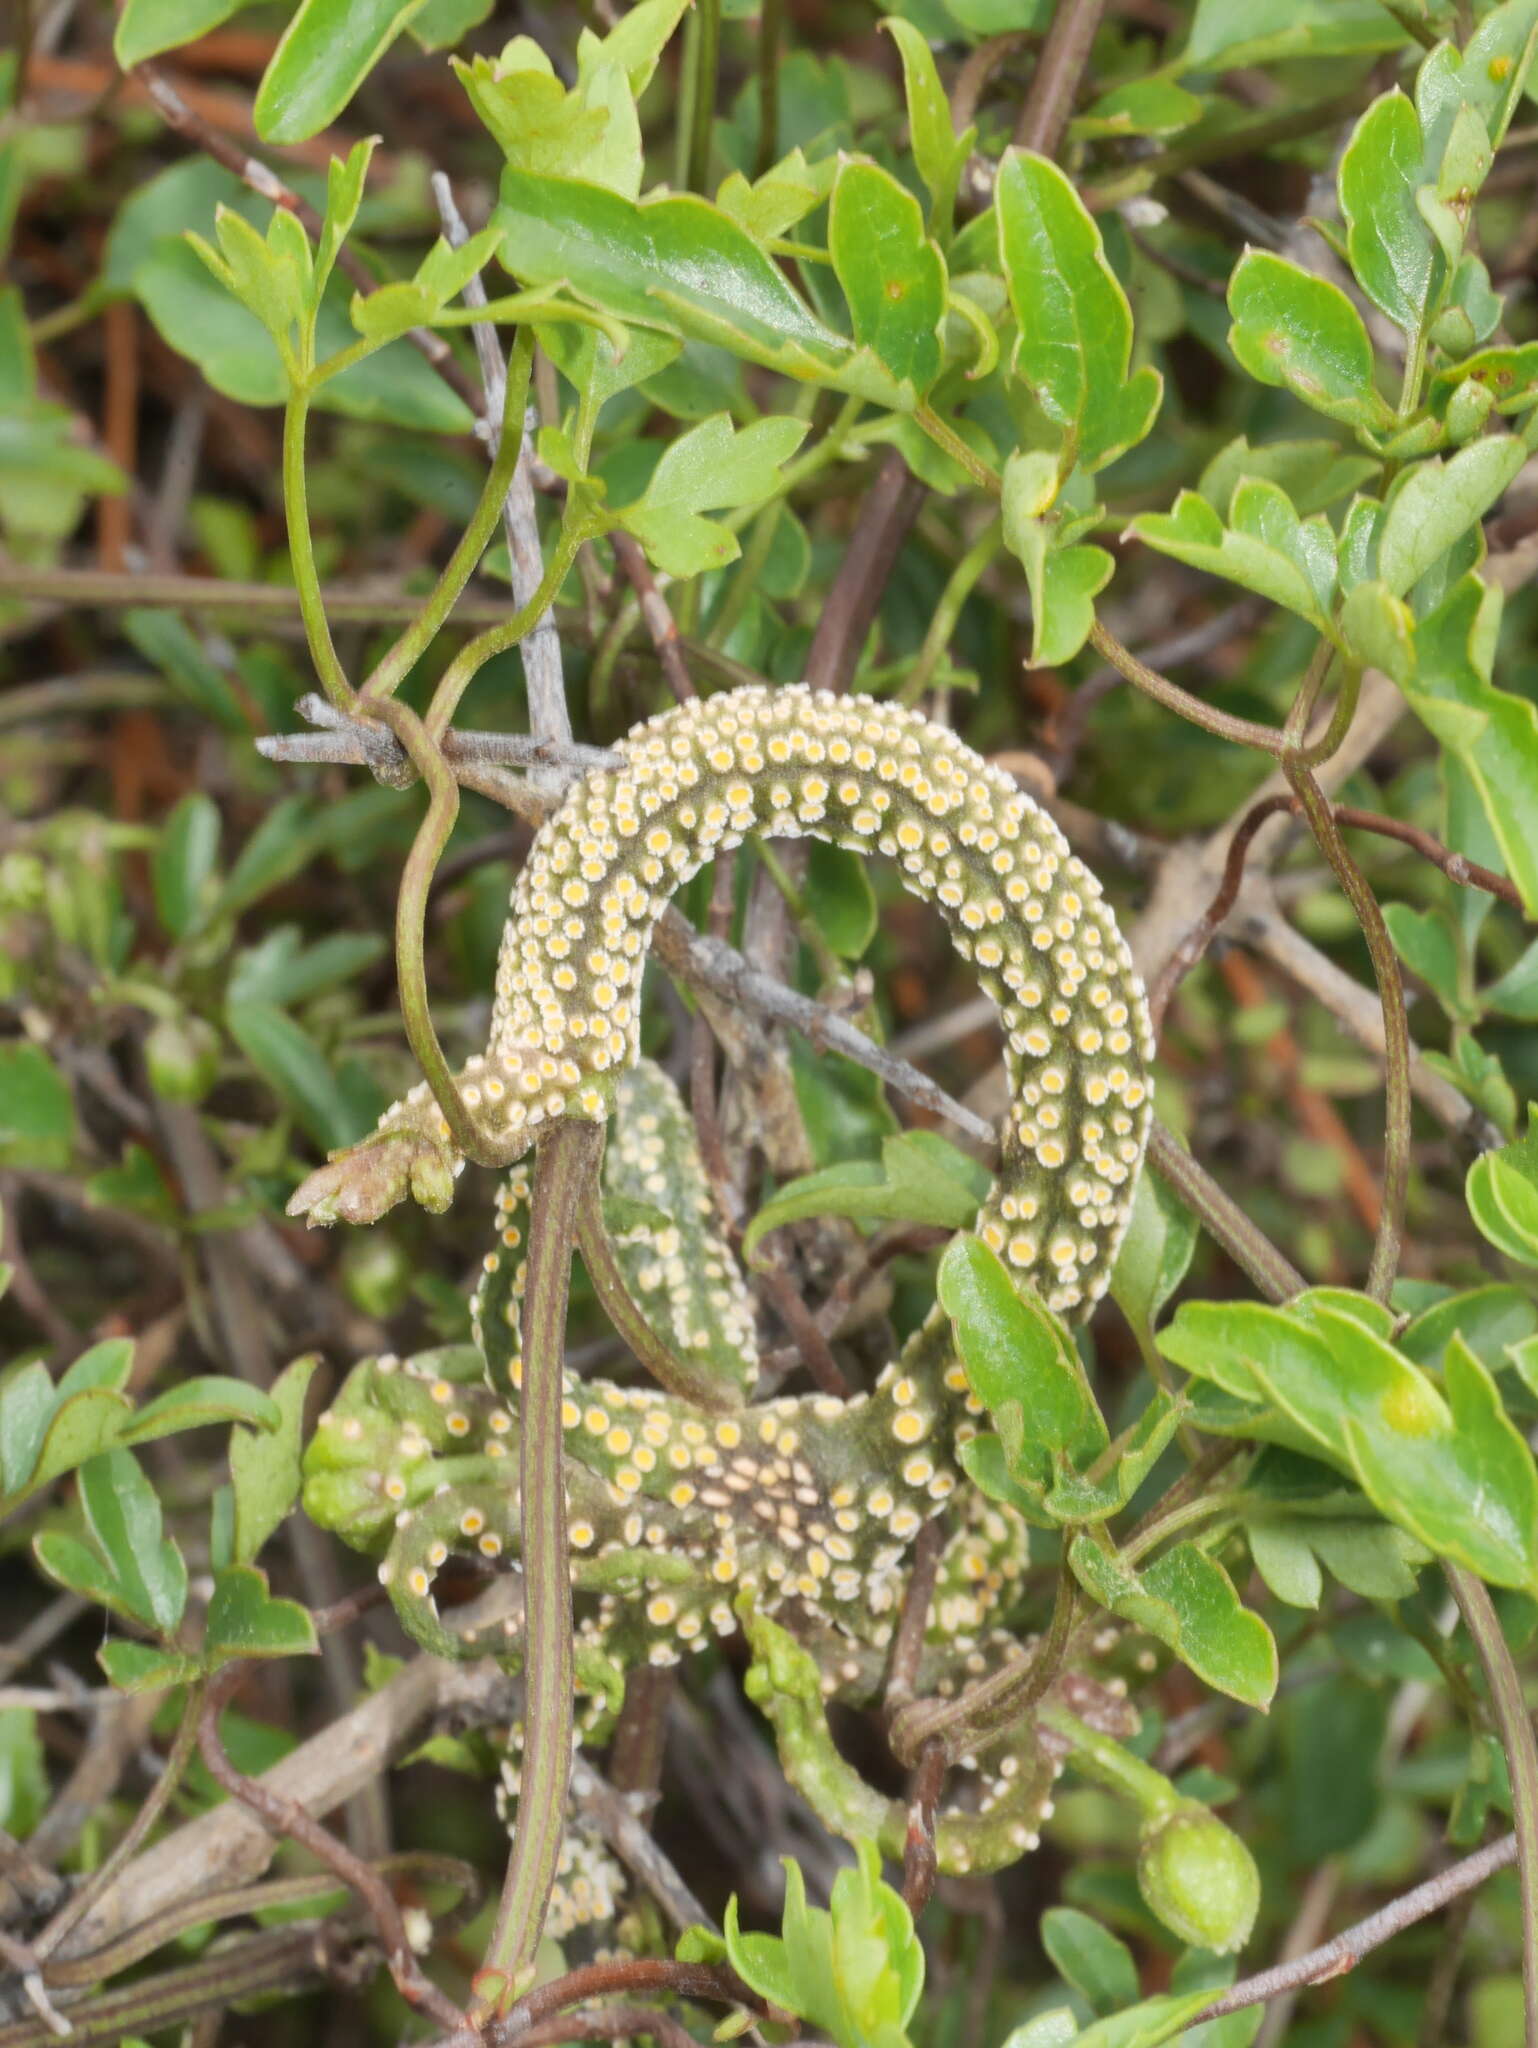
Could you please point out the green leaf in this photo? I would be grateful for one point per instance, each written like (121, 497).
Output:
(1078, 1498)
(1187, 1600)
(678, 264)
(1063, 581)
(714, 467)
(921, 1178)
(1155, 1253)
(773, 204)
(892, 274)
(1389, 246)
(1502, 1193)
(1300, 332)
(296, 1069)
(1090, 1958)
(141, 1667)
(196, 315)
(855, 1971)
(1436, 502)
(197, 1402)
(1261, 31)
(146, 27)
(170, 645)
(37, 1111)
(1075, 345)
(1493, 733)
(1428, 946)
(326, 52)
(1508, 375)
(185, 858)
(265, 1465)
(1314, 474)
(938, 151)
(245, 1620)
(1379, 629)
(1266, 547)
(1138, 106)
(144, 1573)
(839, 895)
(1021, 1362)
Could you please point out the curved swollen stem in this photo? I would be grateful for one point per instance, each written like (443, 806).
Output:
(1515, 1722)
(567, 1166)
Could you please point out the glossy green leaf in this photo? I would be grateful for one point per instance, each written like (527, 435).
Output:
(1436, 502)
(1138, 106)
(141, 1667)
(1186, 1600)
(1389, 245)
(1502, 1193)
(854, 1972)
(920, 1178)
(1090, 1958)
(680, 265)
(146, 27)
(773, 204)
(1508, 375)
(938, 151)
(1300, 332)
(1076, 1497)
(1021, 1362)
(1063, 581)
(1493, 733)
(184, 861)
(197, 1402)
(714, 467)
(1260, 31)
(1265, 547)
(1425, 941)
(245, 1620)
(1314, 474)
(326, 52)
(1156, 1252)
(839, 896)
(1379, 629)
(145, 1569)
(1489, 1319)
(1075, 345)
(891, 273)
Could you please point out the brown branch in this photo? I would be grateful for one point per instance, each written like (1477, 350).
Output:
(655, 614)
(1335, 1957)
(1063, 61)
(283, 1816)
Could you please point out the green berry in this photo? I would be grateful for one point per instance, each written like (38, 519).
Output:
(1200, 1879)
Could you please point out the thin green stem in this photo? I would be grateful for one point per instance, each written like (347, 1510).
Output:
(950, 443)
(817, 458)
(471, 659)
(1396, 1027)
(567, 1165)
(1244, 732)
(1318, 751)
(1104, 1761)
(1185, 1516)
(411, 921)
(702, 102)
(1515, 1722)
(745, 578)
(419, 635)
(959, 586)
(301, 548)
